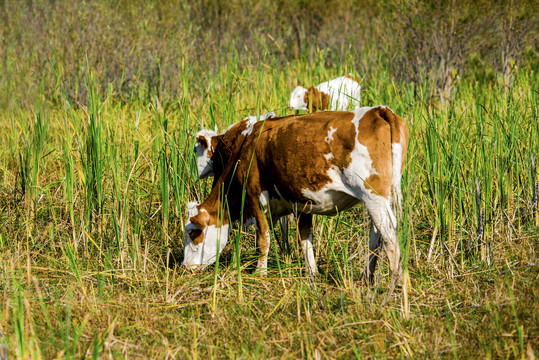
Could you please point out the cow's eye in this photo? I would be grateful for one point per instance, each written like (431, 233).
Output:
(194, 234)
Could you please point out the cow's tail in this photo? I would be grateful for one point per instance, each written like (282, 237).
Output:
(399, 145)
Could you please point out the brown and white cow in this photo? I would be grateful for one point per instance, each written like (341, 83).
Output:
(320, 163)
(336, 94)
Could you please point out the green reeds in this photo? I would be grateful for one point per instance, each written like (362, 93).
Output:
(93, 155)
(69, 170)
(92, 196)
(30, 158)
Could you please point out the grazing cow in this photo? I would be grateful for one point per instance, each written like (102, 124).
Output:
(336, 94)
(206, 141)
(320, 163)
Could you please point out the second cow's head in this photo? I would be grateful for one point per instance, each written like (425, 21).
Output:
(310, 99)
(204, 147)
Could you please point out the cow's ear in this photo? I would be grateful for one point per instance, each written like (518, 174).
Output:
(202, 141)
(201, 220)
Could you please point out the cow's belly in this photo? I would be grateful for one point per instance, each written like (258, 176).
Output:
(326, 202)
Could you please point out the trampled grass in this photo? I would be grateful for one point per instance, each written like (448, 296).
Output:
(92, 205)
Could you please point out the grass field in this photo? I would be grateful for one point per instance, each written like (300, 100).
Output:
(92, 201)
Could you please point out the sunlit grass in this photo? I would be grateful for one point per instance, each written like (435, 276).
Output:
(92, 208)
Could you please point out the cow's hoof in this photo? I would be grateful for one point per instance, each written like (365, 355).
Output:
(397, 280)
(262, 272)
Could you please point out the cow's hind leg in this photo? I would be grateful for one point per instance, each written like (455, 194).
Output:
(375, 244)
(285, 241)
(379, 209)
(305, 231)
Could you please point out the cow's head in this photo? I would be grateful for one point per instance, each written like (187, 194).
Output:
(205, 237)
(297, 99)
(204, 148)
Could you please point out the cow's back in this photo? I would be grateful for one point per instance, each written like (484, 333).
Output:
(349, 152)
(297, 153)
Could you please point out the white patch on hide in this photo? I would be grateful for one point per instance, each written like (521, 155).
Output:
(343, 92)
(191, 208)
(331, 131)
(346, 187)
(247, 131)
(396, 152)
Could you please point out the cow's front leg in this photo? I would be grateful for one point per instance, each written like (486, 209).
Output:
(262, 240)
(305, 230)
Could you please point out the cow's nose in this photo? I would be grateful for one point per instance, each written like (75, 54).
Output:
(190, 268)
(185, 268)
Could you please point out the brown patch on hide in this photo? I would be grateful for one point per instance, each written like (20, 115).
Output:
(316, 100)
(197, 236)
(201, 220)
(300, 146)
(202, 141)
(214, 142)
(354, 78)
(206, 217)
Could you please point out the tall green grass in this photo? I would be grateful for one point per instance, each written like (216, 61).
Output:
(92, 203)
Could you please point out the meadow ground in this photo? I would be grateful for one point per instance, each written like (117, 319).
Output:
(93, 187)
(93, 200)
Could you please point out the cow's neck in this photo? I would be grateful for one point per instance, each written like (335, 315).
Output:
(226, 198)
(214, 206)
